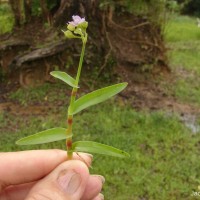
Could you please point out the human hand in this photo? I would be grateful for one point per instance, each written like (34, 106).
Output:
(45, 174)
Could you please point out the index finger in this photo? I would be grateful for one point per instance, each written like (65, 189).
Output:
(27, 166)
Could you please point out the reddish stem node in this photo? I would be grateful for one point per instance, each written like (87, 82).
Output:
(73, 93)
(69, 144)
(69, 121)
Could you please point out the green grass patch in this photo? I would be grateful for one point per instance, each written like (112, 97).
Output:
(186, 58)
(6, 18)
(164, 154)
(183, 39)
(182, 28)
(188, 91)
(46, 92)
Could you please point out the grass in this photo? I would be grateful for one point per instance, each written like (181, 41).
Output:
(46, 92)
(188, 90)
(164, 154)
(6, 18)
(183, 39)
(182, 28)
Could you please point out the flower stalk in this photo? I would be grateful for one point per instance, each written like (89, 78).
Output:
(75, 27)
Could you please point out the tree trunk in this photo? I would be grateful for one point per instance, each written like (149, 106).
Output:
(131, 40)
(27, 10)
(63, 12)
(45, 11)
(16, 6)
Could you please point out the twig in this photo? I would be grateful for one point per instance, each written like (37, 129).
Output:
(139, 41)
(130, 27)
(111, 21)
(105, 62)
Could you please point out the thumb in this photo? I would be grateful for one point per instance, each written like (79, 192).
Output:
(66, 182)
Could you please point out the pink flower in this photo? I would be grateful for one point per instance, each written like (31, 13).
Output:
(76, 20)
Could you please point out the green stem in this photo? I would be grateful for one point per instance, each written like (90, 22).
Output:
(72, 100)
(84, 40)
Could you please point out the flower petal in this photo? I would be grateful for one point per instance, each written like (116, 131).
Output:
(77, 19)
(72, 23)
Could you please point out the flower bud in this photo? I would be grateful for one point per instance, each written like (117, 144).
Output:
(78, 31)
(69, 34)
(83, 25)
(70, 27)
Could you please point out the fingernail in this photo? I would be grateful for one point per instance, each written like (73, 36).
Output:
(69, 181)
(89, 155)
(101, 178)
(101, 196)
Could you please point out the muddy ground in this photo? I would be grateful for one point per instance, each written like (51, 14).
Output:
(143, 93)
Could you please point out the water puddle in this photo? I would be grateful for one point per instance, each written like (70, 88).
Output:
(190, 122)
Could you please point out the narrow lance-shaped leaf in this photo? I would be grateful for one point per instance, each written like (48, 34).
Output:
(94, 147)
(64, 77)
(97, 96)
(50, 135)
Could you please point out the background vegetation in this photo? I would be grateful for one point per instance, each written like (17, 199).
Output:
(6, 19)
(182, 36)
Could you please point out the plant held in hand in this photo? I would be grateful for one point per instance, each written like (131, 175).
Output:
(77, 29)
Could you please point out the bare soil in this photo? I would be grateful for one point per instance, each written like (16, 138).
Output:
(143, 93)
(148, 92)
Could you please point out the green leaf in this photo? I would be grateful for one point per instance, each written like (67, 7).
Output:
(64, 77)
(50, 135)
(97, 96)
(94, 147)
